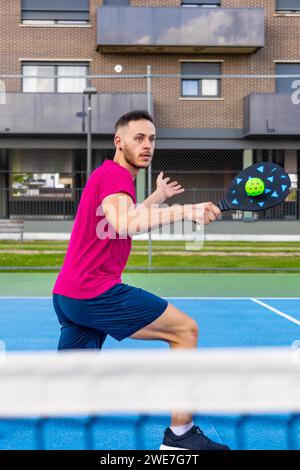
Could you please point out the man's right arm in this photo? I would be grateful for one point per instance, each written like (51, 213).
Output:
(128, 219)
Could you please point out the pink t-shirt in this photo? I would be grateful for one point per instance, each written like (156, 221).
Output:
(94, 262)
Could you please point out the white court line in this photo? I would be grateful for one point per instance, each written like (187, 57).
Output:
(278, 312)
(165, 297)
(206, 298)
(230, 298)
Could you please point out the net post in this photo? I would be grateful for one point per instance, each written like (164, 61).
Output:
(138, 432)
(39, 434)
(88, 432)
(239, 432)
(291, 444)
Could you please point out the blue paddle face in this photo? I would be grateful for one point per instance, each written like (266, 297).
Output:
(277, 185)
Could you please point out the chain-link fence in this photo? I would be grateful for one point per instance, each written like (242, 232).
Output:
(208, 129)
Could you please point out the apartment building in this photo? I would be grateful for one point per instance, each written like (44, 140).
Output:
(224, 88)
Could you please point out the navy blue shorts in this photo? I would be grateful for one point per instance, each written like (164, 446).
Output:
(118, 312)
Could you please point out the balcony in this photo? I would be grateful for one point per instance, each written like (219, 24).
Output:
(65, 113)
(188, 30)
(271, 114)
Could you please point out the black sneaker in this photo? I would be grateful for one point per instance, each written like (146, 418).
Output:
(194, 439)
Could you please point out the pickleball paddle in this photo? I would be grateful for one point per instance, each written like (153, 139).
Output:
(256, 188)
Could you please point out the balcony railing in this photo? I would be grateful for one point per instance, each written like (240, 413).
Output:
(271, 114)
(191, 30)
(65, 113)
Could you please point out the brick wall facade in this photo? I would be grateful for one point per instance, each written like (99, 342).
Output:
(282, 42)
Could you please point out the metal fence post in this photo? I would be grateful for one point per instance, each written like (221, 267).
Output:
(149, 106)
(89, 91)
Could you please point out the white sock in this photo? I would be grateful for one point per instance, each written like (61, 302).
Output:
(179, 430)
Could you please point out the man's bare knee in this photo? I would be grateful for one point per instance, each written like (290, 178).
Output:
(187, 335)
(194, 329)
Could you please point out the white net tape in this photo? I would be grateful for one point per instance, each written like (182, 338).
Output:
(149, 381)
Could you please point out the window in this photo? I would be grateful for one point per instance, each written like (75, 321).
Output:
(122, 3)
(201, 87)
(204, 3)
(44, 12)
(47, 185)
(37, 173)
(285, 85)
(51, 22)
(288, 6)
(71, 78)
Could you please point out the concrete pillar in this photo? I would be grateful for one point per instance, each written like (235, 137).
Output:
(141, 186)
(290, 161)
(4, 177)
(292, 166)
(298, 184)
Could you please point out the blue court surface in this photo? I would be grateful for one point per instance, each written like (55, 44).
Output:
(30, 324)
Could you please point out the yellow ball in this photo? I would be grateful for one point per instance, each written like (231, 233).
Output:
(254, 187)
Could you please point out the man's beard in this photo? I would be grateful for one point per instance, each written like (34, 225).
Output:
(129, 158)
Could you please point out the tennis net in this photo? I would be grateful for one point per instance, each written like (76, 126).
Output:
(121, 399)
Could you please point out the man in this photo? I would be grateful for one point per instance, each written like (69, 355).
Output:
(89, 298)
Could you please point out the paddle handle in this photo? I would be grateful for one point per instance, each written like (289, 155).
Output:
(223, 205)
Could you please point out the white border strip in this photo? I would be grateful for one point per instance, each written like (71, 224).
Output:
(163, 237)
(278, 312)
(252, 238)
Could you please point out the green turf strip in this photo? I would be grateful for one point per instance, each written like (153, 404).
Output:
(171, 284)
(163, 261)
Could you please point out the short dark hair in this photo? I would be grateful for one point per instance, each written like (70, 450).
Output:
(135, 115)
